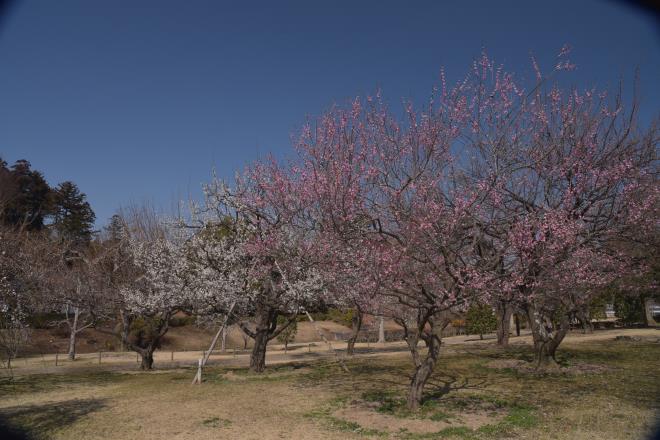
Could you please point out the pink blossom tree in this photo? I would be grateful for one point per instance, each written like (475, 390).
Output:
(490, 191)
(384, 194)
(568, 175)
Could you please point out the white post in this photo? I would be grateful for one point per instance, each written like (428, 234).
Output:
(381, 330)
(198, 376)
(223, 341)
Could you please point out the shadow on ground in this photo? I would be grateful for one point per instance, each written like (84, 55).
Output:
(39, 421)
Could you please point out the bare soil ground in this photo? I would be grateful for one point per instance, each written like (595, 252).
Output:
(306, 395)
(184, 338)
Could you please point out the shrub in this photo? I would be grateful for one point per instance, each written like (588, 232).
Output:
(143, 331)
(480, 319)
(43, 320)
(181, 321)
(343, 317)
(289, 333)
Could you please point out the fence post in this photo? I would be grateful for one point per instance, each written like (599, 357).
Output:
(172, 356)
(99, 356)
(57, 354)
(309, 347)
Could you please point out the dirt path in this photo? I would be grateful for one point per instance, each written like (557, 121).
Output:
(164, 360)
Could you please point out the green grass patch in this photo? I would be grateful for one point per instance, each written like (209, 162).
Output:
(216, 422)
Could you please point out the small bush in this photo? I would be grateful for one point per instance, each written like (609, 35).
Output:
(44, 320)
(182, 321)
(480, 319)
(289, 333)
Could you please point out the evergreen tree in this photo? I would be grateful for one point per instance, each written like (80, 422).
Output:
(115, 229)
(480, 319)
(73, 216)
(31, 199)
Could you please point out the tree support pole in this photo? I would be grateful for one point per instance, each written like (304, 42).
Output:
(207, 354)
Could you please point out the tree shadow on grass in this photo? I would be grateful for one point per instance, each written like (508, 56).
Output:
(46, 382)
(39, 421)
(442, 385)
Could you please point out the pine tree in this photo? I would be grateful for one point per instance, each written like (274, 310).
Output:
(115, 228)
(31, 199)
(73, 216)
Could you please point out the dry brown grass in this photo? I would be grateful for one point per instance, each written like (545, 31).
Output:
(316, 400)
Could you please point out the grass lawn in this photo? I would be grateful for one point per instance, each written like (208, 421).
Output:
(610, 391)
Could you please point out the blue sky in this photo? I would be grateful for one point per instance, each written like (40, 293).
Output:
(139, 100)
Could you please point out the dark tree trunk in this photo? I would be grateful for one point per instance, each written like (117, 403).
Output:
(585, 320)
(266, 323)
(424, 367)
(356, 324)
(145, 350)
(147, 356)
(547, 336)
(517, 319)
(258, 355)
(503, 311)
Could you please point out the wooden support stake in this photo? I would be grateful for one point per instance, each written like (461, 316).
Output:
(56, 356)
(207, 354)
(198, 376)
(172, 356)
(99, 357)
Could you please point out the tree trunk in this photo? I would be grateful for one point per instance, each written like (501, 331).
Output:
(258, 356)
(424, 370)
(147, 356)
(421, 376)
(72, 335)
(266, 325)
(503, 310)
(356, 324)
(146, 352)
(517, 319)
(585, 320)
(547, 336)
(381, 330)
(423, 367)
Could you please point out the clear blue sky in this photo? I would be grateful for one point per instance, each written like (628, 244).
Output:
(138, 100)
